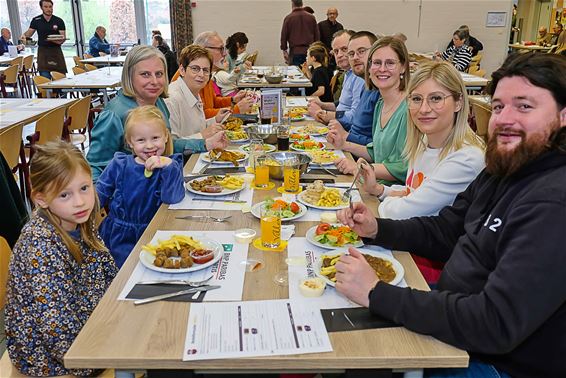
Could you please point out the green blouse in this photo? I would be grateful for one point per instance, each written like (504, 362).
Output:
(389, 142)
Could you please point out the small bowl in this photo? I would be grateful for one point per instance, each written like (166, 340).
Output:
(244, 235)
(276, 171)
(274, 79)
(266, 132)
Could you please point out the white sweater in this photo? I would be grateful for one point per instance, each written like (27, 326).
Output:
(433, 184)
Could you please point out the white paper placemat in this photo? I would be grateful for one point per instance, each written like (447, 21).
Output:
(194, 201)
(229, 272)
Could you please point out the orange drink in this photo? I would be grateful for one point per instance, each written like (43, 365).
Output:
(270, 227)
(261, 175)
(291, 176)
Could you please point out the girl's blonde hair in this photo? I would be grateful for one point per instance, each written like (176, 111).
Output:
(147, 113)
(138, 54)
(53, 166)
(461, 134)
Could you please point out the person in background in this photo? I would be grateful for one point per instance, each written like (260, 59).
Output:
(5, 41)
(360, 132)
(561, 45)
(49, 54)
(133, 186)
(98, 43)
(543, 36)
(329, 27)
(501, 295)
(298, 32)
(556, 31)
(458, 54)
(317, 58)
(401, 37)
(472, 42)
(443, 152)
(144, 82)
(212, 99)
(388, 71)
(59, 268)
(170, 56)
(236, 45)
(184, 102)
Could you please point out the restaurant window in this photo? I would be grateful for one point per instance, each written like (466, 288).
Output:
(5, 18)
(117, 16)
(158, 17)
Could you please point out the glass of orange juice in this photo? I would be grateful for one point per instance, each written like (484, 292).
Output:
(261, 171)
(291, 175)
(270, 227)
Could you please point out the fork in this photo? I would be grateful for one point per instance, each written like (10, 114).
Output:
(177, 282)
(215, 219)
(346, 196)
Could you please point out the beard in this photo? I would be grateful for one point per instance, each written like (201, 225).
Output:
(505, 163)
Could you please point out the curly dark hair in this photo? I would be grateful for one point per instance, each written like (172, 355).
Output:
(233, 41)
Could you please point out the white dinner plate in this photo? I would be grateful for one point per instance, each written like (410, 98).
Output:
(400, 272)
(321, 130)
(206, 158)
(340, 191)
(147, 258)
(256, 209)
(291, 146)
(311, 233)
(266, 147)
(239, 141)
(224, 191)
(312, 163)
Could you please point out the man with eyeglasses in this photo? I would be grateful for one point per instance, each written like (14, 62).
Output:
(360, 130)
(327, 29)
(352, 87)
(299, 30)
(501, 295)
(212, 103)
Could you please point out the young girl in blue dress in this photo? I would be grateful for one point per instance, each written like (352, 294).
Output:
(134, 186)
(60, 268)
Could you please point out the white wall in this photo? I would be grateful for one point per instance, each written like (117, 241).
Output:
(261, 21)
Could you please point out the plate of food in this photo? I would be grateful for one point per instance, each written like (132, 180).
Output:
(289, 210)
(234, 124)
(323, 157)
(299, 136)
(225, 156)
(314, 130)
(297, 111)
(180, 254)
(297, 118)
(387, 268)
(215, 185)
(320, 197)
(307, 145)
(266, 148)
(237, 136)
(332, 236)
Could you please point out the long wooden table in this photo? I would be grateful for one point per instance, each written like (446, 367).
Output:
(25, 110)
(123, 336)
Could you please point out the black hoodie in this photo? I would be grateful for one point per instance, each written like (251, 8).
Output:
(502, 293)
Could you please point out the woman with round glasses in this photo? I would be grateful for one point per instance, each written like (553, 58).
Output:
(387, 71)
(444, 154)
(185, 104)
(144, 82)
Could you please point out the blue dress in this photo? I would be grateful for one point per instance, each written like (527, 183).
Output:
(134, 199)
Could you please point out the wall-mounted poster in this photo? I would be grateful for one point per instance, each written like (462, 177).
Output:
(496, 19)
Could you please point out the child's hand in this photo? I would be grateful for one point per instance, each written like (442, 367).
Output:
(157, 162)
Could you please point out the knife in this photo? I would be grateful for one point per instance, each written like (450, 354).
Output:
(176, 294)
(219, 200)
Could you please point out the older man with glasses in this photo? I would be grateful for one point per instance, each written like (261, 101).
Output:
(352, 87)
(212, 103)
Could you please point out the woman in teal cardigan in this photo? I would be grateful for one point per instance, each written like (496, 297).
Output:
(388, 71)
(144, 82)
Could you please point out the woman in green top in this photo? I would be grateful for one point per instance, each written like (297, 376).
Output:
(388, 71)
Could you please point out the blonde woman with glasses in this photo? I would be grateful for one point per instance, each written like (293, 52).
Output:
(443, 152)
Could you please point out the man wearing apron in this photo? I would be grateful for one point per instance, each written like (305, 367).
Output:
(50, 35)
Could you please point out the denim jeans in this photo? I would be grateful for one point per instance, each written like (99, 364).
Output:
(46, 74)
(476, 369)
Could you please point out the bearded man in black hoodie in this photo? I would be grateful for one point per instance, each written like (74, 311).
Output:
(502, 293)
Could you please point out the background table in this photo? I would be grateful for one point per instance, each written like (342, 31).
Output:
(105, 60)
(518, 46)
(25, 110)
(121, 335)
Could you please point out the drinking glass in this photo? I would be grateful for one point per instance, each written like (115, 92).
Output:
(255, 150)
(283, 136)
(270, 227)
(291, 175)
(261, 172)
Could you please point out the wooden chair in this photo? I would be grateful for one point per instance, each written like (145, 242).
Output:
(78, 63)
(57, 75)
(12, 148)
(38, 80)
(47, 128)
(252, 57)
(27, 70)
(78, 70)
(482, 113)
(11, 80)
(90, 67)
(77, 121)
(475, 63)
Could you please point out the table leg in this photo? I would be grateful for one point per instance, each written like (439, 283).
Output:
(2, 86)
(302, 90)
(105, 95)
(48, 92)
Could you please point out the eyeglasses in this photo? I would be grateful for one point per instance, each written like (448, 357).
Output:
(343, 50)
(436, 101)
(361, 51)
(222, 49)
(389, 63)
(196, 69)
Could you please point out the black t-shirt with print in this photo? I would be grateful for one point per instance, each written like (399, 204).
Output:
(45, 28)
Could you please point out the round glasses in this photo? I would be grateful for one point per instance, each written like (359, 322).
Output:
(359, 52)
(196, 69)
(436, 101)
(388, 63)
